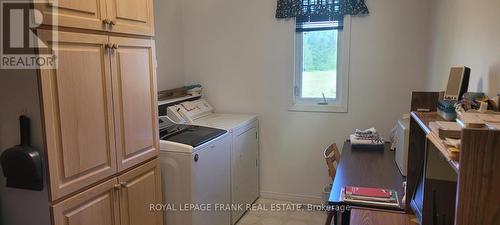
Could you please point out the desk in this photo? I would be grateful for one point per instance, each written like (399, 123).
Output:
(366, 168)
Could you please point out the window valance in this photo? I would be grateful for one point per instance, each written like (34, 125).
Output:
(320, 14)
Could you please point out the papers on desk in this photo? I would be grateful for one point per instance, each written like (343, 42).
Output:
(446, 137)
(479, 120)
(450, 142)
(446, 129)
(370, 196)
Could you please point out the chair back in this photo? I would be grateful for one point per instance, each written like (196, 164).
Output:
(332, 157)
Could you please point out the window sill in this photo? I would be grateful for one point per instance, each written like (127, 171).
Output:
(331, 108)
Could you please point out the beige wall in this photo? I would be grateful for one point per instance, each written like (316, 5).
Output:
(466, 32)
(19, 96)
(169, 44)
(244, 58)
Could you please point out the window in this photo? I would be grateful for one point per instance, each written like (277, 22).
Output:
(321, 68)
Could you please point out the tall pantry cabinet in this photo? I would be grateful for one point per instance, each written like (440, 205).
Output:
(99, 112)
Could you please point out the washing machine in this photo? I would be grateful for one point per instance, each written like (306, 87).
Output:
(244, 134)
(195, 164)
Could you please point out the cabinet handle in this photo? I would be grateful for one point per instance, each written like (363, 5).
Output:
(106, 21)
(115, 46)
(108, 45)
(117, 187)
(123, 184)
(112, 22)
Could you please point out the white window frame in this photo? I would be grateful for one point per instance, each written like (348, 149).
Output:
(340, 103)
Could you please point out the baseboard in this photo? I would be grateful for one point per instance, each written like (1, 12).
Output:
(306, 199)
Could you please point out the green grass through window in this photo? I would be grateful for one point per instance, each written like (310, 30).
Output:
(319, 63)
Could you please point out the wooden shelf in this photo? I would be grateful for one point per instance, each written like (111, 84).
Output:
(173, 100)
(423, 119)
(452, 159)
(463, 192)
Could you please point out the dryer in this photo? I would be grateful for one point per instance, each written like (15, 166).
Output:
(244, 134)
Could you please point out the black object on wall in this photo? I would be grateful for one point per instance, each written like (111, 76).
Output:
(22, 164)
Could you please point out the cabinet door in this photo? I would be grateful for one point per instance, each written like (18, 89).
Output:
(131, 16)
(75, 13)
(78, 113)
(134, 95)
(139, 188)
(96, 206)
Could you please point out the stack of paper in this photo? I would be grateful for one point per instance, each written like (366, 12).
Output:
(370, 196)
(470, 120)
(446, 129)
(447, 135)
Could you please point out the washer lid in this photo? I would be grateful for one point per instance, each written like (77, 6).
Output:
(194, 135)
(225, 121)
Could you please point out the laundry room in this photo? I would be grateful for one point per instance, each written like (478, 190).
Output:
(249, 112)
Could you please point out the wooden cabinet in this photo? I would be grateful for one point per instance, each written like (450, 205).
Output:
(98, 205)
(100, 112)
(74, 13)
(140, 188)
(446, 191)
(78, 113)
(479, 182)
(119, 201)
(120, 16)
(134, 92)
(131, 16)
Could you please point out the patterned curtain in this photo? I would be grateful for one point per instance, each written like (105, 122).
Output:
(319, 14)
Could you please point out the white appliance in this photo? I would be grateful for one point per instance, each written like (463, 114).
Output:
(195, 164)
(244, 132)
(402, 135)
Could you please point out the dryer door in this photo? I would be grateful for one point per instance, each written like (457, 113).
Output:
(245, 168)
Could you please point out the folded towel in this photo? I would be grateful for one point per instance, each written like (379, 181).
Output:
(362, 141)
(368, 138)
(366, 132)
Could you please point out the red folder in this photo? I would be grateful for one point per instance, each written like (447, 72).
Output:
(368, 192)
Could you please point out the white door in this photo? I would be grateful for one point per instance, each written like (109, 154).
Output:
(245, 168)
(211, 182)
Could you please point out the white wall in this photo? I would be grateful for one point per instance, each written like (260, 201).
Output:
(244, 58)
(467, 33)
(169, 44)
(19, 96)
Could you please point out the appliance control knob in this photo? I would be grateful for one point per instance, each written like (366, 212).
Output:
(196, 157)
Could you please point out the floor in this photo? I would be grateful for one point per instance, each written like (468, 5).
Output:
(266, 215)
(369, 217)
(273, 212)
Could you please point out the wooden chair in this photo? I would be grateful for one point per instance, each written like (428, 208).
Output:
(332, 157)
